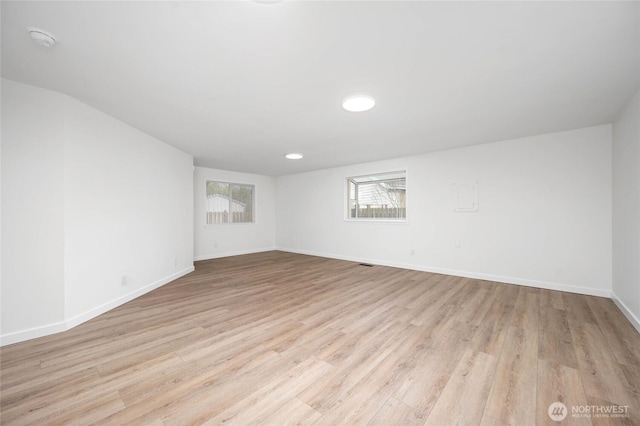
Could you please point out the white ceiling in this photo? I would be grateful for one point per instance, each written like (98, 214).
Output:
(239, 84)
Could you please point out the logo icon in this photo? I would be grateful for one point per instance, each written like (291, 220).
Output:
(557, 411)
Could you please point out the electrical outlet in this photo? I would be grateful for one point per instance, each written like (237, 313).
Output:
(174, 261)
(124, 280)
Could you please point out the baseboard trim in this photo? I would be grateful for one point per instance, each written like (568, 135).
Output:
(467, 274)
(99, 310)
(46, 330)
(32, 333)
(232, 253)
(626, 312)
(36, 332)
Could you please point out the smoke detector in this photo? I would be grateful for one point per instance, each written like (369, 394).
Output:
(41, 37)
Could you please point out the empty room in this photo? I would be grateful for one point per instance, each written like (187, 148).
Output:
(320, 213)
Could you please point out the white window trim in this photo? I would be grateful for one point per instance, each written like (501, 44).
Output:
(345, 199)
(218, 225)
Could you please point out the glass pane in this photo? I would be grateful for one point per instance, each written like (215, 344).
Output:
(217, 203)
(380, 176)
(241, 203)
(352, 199)
(380, 196)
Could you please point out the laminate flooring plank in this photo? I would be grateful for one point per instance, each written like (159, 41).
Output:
(74, 410)
(33, 399)
(153, 385)
(632, 375)
(342, 321)
(513, 397)
(278, 338)
(555, 341)
(317, 342)
(245, 333)
(474, 311)
(360, 404)
(602, 413)
(352, 369)
(396, 412)
(432, 286)
(130, 357)
(559, 383)
(507, 293)
(578, 309)
(467, 295)
(492, 329)
(292, 412)
(114, 348)
(602, 376)
(551, 298)
(411, 291)
(433, 366)
(527, 310)
(16, 377)
(323, 313)
(465, 394)
(271, 398)
(202, 395)
(617, 330)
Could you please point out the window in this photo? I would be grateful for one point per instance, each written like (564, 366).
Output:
(229, 202)
(377, 197)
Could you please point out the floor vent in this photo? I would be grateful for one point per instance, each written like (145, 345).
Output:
(366, 264)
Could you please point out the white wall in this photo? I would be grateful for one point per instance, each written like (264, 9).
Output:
(32, 287)
(544, 217)
(212, 241)
(626, 211)
(128, 211)
(119, 203)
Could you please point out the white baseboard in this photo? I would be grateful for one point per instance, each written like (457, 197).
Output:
(32, 333)
(232, 253)
(99, 310)
(46, 330)
(626, 311)
(467, 274)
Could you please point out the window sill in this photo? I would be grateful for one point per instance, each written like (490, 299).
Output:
(375, 220)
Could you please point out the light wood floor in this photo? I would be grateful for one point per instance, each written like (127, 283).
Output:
(280, 338)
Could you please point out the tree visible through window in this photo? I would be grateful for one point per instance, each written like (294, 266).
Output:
(229, 202)
(381, 196)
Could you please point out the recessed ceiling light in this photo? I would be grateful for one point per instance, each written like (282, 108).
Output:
(293, 156)
(41, 37)
(358, 103)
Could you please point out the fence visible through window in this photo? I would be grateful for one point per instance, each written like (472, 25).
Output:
(381, 196)
(223, 217)
(227, 202)
(379, 212)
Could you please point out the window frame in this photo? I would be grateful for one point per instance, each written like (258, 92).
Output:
(230, 183)
(347, 199)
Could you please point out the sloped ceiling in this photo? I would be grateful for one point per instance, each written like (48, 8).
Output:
(239, 84)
